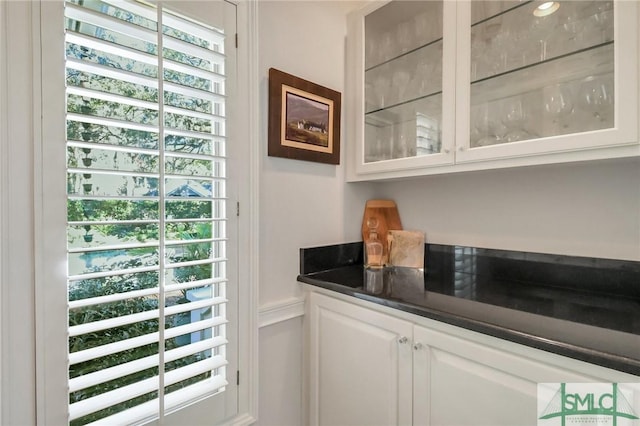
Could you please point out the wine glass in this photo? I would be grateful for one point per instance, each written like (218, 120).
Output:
(400, 80)
(487, 129)
(404, 36)
(401, 148)
(573, 27)
(477, 54)
(381, 87)
(514, 119)
(370, 96)
(596, 96)
(385, 48)
(372, 51)
(500, 48)
(558, 105)
(602, 19)
(542, 29)
(493, 51)
(479, 125)
(424, 24)
(423, 75)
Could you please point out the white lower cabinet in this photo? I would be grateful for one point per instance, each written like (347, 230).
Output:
(373, 368)
(360, 363)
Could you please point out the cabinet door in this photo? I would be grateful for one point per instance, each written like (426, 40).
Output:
(536, 81)
(360, 365)
(401, 61)
(459, 382)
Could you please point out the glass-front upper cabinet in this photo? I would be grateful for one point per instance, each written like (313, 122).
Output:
(542, 77)
(449, 86)
(402, 108)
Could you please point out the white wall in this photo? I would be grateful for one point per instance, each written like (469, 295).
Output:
(302, 204)
(280, 396)
(583, 209)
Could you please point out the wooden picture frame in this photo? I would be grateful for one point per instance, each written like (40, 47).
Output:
(304, 119)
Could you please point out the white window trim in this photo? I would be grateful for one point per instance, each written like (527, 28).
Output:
(16, 180)
(24, 376)
(3, 167)
(248, 235)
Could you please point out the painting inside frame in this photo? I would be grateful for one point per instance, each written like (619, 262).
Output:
(304, 119)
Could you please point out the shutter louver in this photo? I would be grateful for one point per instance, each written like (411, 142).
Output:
(146, 180)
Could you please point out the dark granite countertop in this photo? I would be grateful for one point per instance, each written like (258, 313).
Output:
(583, 308)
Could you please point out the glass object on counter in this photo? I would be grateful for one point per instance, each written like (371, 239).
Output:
(374, 280)
(403, 80)
(373, 250)
(538, 75)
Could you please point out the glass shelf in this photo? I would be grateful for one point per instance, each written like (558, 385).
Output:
(516, 38)
(410, 76)
(482, 11)
(528, 104)
(400, 27)
(395, 58)
(540, 76)
(564, 69)
(400, 104)
(406, 130)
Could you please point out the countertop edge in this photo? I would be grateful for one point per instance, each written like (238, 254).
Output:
(592, 356)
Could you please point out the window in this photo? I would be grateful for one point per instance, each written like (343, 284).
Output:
(147, 223)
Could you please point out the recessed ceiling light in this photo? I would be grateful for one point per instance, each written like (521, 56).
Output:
(546, 8)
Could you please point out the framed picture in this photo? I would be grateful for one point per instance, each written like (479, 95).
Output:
(304, 119)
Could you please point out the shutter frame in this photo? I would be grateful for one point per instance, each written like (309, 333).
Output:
(212, 347)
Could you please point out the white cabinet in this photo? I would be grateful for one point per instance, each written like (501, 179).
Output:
(489, 84)
(401, 97)
(360, 365)
(460, 382)
(364, 372)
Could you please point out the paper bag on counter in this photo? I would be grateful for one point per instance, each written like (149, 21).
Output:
(406, 248)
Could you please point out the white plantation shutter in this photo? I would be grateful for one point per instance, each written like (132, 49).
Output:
(146, 185)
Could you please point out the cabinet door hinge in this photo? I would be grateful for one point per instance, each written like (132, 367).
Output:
(238, 377)
(236, 40)
(238, 208)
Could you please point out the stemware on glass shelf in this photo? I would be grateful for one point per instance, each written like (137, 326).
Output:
(487, 128)
(477, 53)
(382, 88)
(602, 20)
(596, 97)
(399, 81)
(478, 125)
(573, 26)
(515, 117)
(400, 149)
(384, 49)
(558, 105)
(493, 51)
(542, 28)
(500, 50)
(370, 99)
(423, 75)
(423, 27)
(404, 36)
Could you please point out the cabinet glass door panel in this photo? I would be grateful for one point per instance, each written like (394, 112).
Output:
(403, 80)
(409, 129)
(540, 70)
